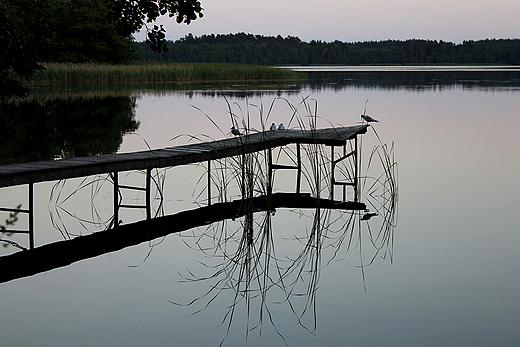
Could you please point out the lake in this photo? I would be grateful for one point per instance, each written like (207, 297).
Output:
(445, 273)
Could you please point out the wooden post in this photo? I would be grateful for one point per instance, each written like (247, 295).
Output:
(332, 172)
(116, 199)
(148, 193)
(344, 186)
(31, 215)
(357, 163)
(270, 172)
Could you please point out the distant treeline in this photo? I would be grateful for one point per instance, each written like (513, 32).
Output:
(269, 50)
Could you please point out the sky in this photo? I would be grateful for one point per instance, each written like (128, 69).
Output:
(353, 21)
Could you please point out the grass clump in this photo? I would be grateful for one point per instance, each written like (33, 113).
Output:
(62, 73)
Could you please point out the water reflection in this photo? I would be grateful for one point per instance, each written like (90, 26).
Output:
(455, 252)
(250, 268)
(334, 79)
(427, 80)
(247, 265)
(382, 78)
(186, 88)
(55, 128)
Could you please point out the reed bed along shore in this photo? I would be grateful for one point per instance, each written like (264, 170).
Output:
(158, 72)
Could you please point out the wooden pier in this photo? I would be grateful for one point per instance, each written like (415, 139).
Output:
(18, 174)
(35, 172)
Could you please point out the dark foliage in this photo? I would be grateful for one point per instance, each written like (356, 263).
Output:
(79, 31)
(269, 50)
(16, 56)
(133, 15)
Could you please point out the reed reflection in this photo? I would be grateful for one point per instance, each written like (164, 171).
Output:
(249, 269)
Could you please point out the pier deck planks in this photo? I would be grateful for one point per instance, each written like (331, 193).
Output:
(17, 174)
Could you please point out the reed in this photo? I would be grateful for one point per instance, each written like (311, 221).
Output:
(65, 73)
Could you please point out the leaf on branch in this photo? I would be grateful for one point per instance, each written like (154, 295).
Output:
(156, 39)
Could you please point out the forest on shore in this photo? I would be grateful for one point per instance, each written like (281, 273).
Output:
(34, 34)
(269, 50)
(78, 32)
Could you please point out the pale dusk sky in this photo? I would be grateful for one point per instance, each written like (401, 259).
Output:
(351, 21)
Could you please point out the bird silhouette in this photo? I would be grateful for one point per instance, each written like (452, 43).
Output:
(281, 127)
(369, 119)
(366, 117)
(273, 127)
(235, 131)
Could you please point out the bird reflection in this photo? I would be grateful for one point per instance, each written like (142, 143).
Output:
(367, 216)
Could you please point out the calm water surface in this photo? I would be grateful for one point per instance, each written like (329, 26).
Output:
(450, 278)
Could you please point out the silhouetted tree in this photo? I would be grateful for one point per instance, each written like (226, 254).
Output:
(32, 32)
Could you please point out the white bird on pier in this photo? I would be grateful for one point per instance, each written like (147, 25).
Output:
(281, 127)
(235, 131)
(273, 127)
(369, 119)
(366, 117)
